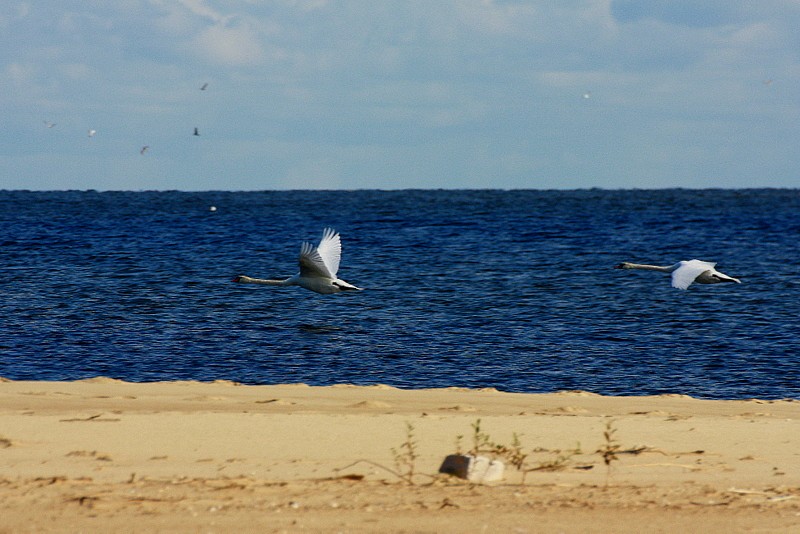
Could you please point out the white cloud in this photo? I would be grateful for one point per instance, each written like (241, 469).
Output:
(490, 17)
(221, 38)
(21, 75)
(77, 71)
(231, 43)
(199, 8)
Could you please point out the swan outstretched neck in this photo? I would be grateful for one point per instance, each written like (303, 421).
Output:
(318, 268)
(684, 273)
(628, 265)
(241, 279)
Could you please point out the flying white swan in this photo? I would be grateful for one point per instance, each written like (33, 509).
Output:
(318, 268)
(686, 272)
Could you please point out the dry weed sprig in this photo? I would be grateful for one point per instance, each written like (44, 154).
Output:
(610, 449)
(514, 454)
(405, 457)
(405, 460)
(480, 440)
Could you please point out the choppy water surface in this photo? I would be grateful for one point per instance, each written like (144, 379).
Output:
(507, 289)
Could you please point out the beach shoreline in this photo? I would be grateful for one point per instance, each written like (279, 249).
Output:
(99, 454)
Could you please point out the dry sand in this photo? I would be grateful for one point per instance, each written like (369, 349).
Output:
(102, 455)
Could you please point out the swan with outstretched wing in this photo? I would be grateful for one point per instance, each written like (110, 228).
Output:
(685, 273)
(318, 268)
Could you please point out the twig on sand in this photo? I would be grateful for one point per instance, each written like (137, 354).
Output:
(91, 418)
(370, 462)
(375, 464)
(689, 467)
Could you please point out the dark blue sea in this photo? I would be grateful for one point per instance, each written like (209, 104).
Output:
(507, 289)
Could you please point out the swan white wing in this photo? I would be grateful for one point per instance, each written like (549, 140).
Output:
(688, 271)
(311, 263)
(330, 250)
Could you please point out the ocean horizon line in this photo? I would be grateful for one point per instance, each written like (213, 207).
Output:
(391, 190)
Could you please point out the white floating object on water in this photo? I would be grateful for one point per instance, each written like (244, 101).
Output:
(212, 208)
(92, 132)
(478, 469)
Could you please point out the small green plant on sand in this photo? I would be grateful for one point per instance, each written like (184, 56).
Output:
(405, 457)
(511, 453)
(610, 449)
(480, 440)
(514, 454)
(482, 443)
(405, 460)
(559, 459)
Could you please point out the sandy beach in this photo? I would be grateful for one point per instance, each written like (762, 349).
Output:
(101, 455)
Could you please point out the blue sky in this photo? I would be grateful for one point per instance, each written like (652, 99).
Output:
(317, 94)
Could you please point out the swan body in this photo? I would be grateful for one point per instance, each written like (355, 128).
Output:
(684, 273)
(318, 268)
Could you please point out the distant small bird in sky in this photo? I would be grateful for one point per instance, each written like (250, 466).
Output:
(49, 124)
(196, 131)
(144, 149)
(92, 132)
(203, 88)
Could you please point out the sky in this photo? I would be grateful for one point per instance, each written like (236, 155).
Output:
(391, 94)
